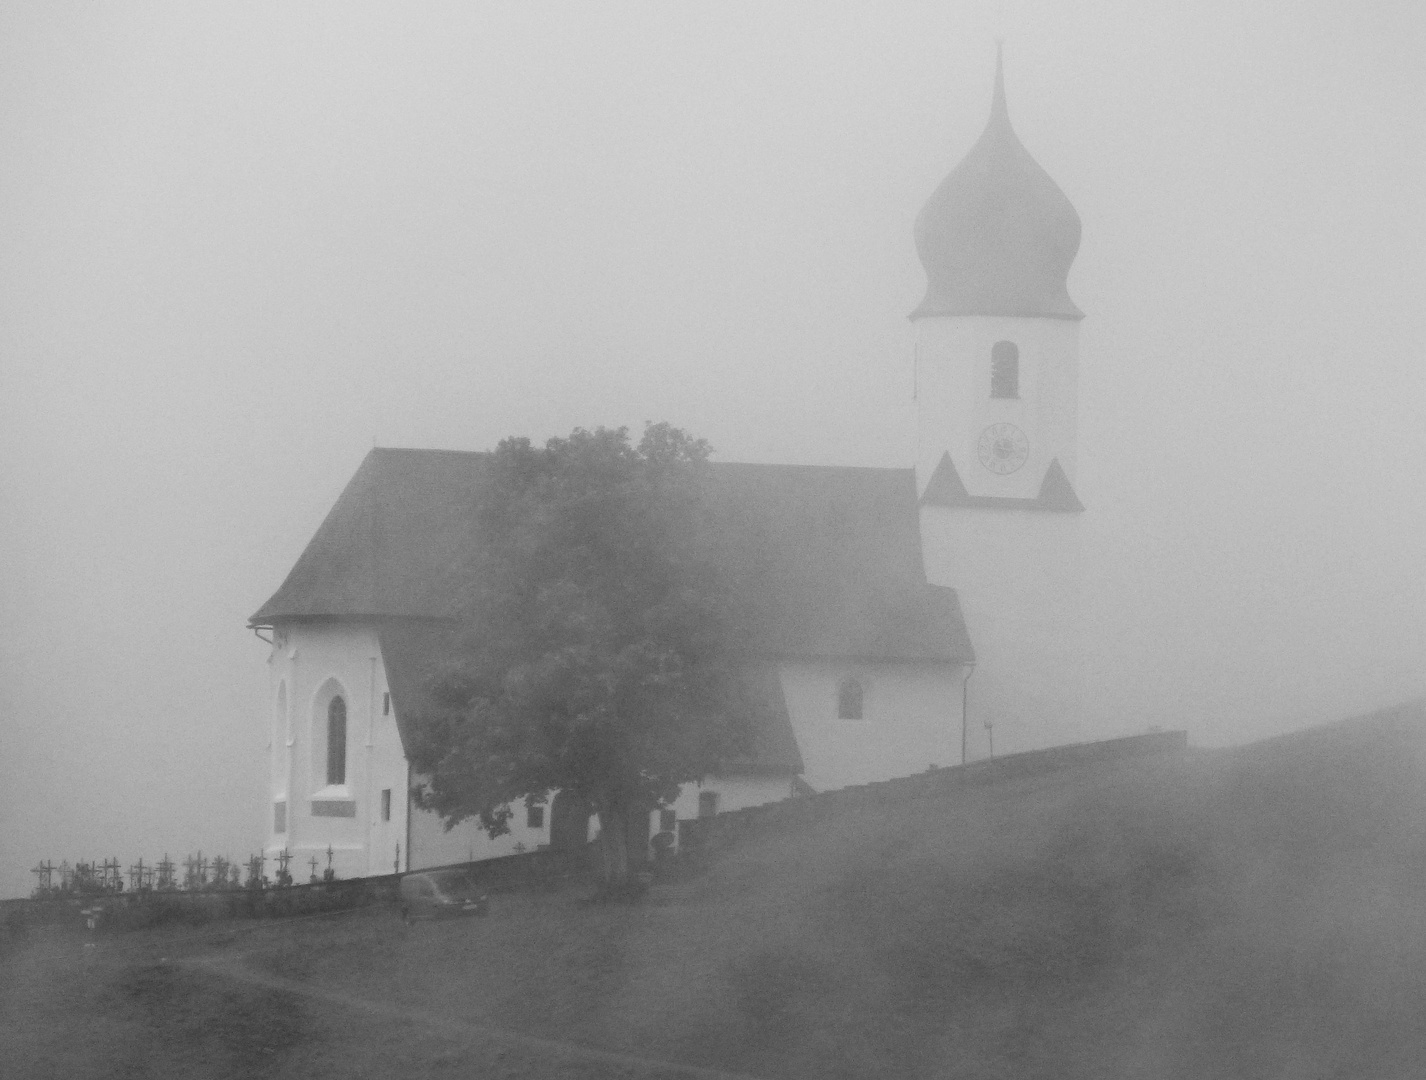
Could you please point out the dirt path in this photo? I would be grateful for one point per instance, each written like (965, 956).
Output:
(501, 1040)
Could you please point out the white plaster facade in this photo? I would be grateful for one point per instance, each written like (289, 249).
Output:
(911, 717)
(1016, 570)
(732, 793)
(1018, 575)
(369, 832)
(954, 403)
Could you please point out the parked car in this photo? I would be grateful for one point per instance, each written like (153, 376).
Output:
(434, 894)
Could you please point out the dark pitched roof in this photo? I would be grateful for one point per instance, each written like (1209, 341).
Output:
(828, 559)
(774, 749)
(390, 544)
(412, 651)
(946, 488)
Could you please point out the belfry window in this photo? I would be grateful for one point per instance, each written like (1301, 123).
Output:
(1004, 370)
(849, 700)
(337, 741)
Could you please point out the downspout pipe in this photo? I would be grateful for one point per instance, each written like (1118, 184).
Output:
(965, 708)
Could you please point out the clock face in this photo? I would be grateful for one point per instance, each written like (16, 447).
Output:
(1003, 448)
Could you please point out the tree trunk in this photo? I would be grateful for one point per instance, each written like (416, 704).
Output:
(569, 821)
(614, 848)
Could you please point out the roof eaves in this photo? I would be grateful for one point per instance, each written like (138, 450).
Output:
(929, 310)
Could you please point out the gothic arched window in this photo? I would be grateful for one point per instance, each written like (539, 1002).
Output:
(849, 700)
(337, 741)
(1005, 370)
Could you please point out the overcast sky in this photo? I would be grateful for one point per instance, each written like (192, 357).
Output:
(240, 243)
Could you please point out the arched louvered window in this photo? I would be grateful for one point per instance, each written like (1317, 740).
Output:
(337, 741)
(849, 700)
(1004, 370)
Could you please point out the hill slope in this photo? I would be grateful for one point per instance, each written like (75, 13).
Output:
(1259, 912)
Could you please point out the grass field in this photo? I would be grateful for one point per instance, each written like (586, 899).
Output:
(1259, 912)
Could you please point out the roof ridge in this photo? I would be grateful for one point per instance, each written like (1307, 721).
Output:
(825, 468)
(432, 450)
(427, 450)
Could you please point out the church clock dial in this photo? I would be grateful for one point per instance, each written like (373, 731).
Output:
(1003, 448)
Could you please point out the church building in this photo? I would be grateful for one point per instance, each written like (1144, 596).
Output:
(867, 585)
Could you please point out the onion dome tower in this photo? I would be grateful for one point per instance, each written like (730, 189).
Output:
(997, 373)
(997, 332)
(997, 237)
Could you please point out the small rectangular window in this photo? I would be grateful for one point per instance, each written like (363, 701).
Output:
(279, 816)
(668, 820)
(849, 699)
(535, 817)
(386, 804)
(707, 803)
(386, 703)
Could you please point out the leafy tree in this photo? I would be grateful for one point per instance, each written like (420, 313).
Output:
(597, 651)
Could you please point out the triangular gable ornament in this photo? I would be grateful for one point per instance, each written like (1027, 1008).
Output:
(1056, 491)
(946, 487)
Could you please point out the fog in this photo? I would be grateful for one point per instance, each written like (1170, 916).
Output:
(241, 244)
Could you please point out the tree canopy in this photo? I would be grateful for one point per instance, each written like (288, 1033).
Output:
(597, 650)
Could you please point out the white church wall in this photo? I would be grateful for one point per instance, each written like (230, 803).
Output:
(278, 751)
(728, 793)
(954, 404)
(911, 719)
(1018, 576)
(310, 663)
(386, 842)
(433, 845)
(732, 793)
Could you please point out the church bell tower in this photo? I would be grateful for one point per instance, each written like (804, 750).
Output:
(996, 375)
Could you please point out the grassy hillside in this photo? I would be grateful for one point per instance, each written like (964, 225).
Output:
(1259, 912)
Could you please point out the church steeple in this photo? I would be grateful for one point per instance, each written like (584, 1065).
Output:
(996, 385)
(997, 237)
(999, 113)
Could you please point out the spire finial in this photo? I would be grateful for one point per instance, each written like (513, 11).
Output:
(998, 111)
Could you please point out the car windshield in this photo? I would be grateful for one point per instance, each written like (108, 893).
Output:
(453, 883)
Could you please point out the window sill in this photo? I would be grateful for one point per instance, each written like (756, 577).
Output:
(334, 800)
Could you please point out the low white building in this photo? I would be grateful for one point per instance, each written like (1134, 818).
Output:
(862, 661)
